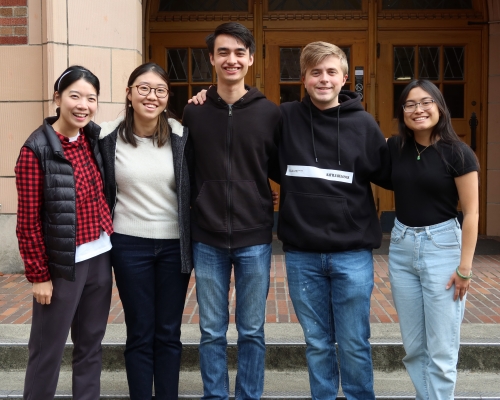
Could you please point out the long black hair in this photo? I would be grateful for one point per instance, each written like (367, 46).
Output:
(126, 128)
(70, 76)
(442, 131)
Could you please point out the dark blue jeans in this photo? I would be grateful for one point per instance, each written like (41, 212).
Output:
(152, 290)
(331, 293)
(213, 268)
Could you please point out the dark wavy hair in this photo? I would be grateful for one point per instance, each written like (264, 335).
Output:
(443, 130)
(126, 127)
(70, 76)
(234, 29)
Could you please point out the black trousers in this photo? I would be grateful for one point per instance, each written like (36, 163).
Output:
(83, 306)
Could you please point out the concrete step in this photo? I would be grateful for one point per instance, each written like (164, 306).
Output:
(480, 349)
(278, 385)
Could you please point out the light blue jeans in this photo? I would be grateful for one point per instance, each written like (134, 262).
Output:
(331, 297)
(213, 267)
(421, 262)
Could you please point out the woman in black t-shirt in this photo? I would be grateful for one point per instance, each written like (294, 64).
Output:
(430, 257)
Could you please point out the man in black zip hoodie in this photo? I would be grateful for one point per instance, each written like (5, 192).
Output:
(330, 151)
(234, 139)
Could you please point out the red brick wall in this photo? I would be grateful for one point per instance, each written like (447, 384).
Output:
(13, 22)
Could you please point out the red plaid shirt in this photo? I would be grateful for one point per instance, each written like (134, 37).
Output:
(92, 211)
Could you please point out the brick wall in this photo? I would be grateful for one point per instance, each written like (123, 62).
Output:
(13, 22)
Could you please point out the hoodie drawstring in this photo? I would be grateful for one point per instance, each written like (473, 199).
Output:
(312, 133)
(338, 133)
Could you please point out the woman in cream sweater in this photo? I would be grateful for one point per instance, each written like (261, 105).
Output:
(147, 189)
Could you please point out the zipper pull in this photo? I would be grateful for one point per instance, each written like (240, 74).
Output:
(230, 110)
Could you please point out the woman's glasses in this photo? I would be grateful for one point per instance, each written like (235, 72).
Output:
(144, 90)
(411, 106)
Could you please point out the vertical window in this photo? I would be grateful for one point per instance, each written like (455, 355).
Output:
(443, 65)
(404, 63)
(189, 71)
(426, 4)
(297, 5)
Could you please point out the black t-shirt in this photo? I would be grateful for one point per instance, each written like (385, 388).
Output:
(425, 189)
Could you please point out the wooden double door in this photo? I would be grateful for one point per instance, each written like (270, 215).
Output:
(378, 70)
(276, 70)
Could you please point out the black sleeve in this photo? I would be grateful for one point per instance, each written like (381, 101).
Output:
(189, 154)
(382, 159)
(274, 165)
(463, 160)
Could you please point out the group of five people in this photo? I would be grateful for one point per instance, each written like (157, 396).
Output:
(154, 198)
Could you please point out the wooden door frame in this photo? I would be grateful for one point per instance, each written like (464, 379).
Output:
(471, 38)
(371, 19)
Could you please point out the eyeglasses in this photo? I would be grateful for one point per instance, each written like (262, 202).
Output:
(144, 90)
(424, 105)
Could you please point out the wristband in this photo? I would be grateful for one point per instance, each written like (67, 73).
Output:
(463, 276)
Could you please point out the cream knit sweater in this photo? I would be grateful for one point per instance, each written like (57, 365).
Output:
(146, 201)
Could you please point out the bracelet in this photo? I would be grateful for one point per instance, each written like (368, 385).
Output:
(463, 276)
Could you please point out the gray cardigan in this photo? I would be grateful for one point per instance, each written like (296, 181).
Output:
(180, 153)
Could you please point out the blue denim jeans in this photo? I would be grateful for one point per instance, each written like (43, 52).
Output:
(421, 262)
(152, 290)
(331, 297)
(213, 267)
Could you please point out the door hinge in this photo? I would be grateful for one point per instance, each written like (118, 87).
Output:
(378, 50)
(263, 51)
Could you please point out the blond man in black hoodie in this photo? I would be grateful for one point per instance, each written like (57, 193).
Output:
(330, 151)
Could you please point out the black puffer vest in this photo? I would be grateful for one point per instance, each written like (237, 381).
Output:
(59, 195)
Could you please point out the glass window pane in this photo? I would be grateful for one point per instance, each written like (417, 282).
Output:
(203, 5)
(289, 64)
(289, 93)
(178, 99)
(454, 63)
(347, 51)
(398, 89)
(404, 63)
(201, 69)
(426, 4)
(177, 65)
(455, 99)
(428, 63)
(198, 88)
(291, 5)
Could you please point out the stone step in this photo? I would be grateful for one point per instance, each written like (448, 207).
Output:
(480, 349)
(278, 385)
(281, 355)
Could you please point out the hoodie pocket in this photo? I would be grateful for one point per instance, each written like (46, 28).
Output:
(249, 209)
(311, 221)
(210, 206)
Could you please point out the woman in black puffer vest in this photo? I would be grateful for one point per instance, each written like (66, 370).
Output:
(63, 228)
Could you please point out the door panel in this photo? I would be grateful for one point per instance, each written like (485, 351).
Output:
(437, 55)
(275, 41)
(451, 59)
(281, 64)
(186, 60)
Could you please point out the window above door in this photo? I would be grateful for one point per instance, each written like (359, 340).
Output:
(427, 4)
(443, 65)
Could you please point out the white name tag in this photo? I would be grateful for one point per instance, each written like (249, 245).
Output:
(313, 172)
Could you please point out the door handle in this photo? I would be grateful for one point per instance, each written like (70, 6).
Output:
(473, 122)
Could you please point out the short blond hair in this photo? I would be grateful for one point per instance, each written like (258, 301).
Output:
(314, 53)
